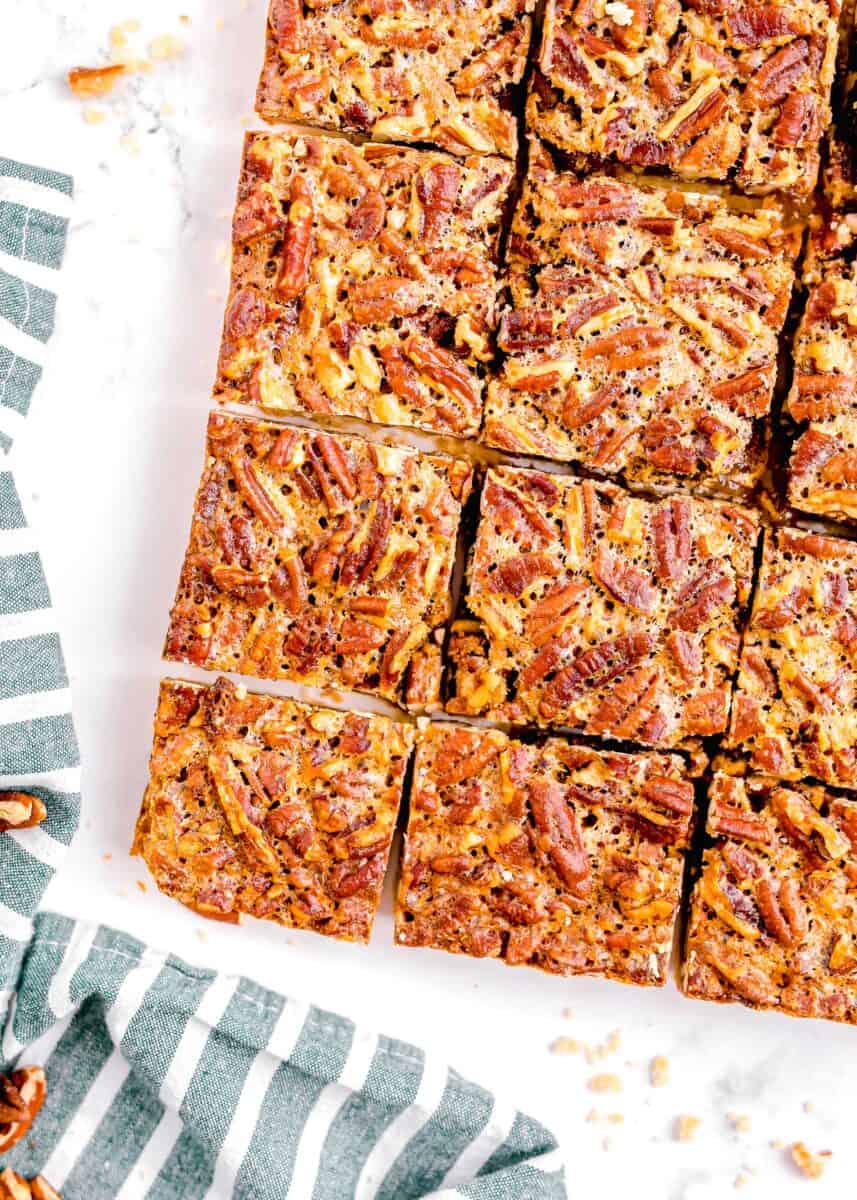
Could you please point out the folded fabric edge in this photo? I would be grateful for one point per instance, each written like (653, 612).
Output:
(262, 1092)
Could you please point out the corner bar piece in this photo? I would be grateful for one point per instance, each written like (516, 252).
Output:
(772, 922)
(706, 90)
(602, 611)
(364, 282)
(270, 808)
(440, 71)
(642, 334)
(795, 706)
(555, 856)
(321, 559)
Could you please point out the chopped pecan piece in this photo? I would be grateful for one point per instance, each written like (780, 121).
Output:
(21, 810)
(22, 1094)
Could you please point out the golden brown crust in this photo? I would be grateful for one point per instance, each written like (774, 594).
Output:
(795, 706)
(555, 856)
(704, 88)
(317, 558)
(823, 398)
(438, 71)
(268, 807)
(364, 282)
(642, 336)
(601, 611)
(773, 922)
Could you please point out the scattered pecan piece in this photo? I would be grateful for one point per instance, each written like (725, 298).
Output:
(22, 1094)
(21, 810)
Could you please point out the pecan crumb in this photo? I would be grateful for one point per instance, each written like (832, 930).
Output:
(94, 116)
(810, 1164)
(685, 1127)
(604, 1083)
(616, 1118)
(564, 1045)
(165, 46)
(740, 1122)
(94, 81)
(141, 885)
(659, 1071)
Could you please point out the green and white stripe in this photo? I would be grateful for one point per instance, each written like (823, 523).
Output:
(166, 1081)
(38, 749)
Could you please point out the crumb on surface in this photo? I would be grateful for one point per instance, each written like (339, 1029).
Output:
(685, 1127)
(740, 1122)
(616, 1118)
(94, 116)
(807, 1162)
(166, 46)
(130, 143)
(564, 1045)
(593, 1116)
(141, 885)
(95, 81)
(568, 1013)
(604, 1083)
(659, 1071)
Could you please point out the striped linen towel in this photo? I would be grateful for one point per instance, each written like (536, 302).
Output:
(38, 749)
(167, 1081)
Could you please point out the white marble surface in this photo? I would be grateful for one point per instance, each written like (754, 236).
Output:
(110, 459)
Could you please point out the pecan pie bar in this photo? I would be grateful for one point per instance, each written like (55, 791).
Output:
(705, 90)
(642, 336)
(773, 922)
(823, 398)
(320, 559)
(602, 611)
(795, 708)
(268, 807)
(557, 856)
(364, 282)
(440, 71)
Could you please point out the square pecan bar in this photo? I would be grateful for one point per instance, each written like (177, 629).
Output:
(557, 856)
(399, 70)
(642, 336)
(364, 282)
(823, 397)
(268, 807)
(772, 918)
(320, 559)
(602, 611)
(795, 707)
(706, 90)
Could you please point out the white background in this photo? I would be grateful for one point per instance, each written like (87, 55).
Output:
(109, 462)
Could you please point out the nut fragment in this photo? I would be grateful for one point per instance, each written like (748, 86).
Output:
(604, 1083)
(22, 1094)
(685, 1127)
(20, 810)
(659, 1071)
(808, 1163)
(15, 1187)
(95, 81)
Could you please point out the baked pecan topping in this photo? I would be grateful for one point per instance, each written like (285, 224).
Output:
(793, 711)
(316, 557)
(628, 304)
(350, 261)
(600, 610)
(265, 806)
(559, 856)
